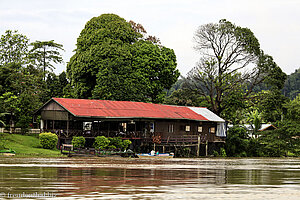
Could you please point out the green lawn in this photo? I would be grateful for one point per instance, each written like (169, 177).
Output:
(28, 146)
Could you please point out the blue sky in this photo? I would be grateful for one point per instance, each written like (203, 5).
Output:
(276, 23)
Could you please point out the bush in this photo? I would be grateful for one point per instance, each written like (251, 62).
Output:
(78, 142)
(126, 143)
(111, 143)
(223, 152)
(111, 147)
(2, 141)
(116, 141)
(101, 142)
(216, 154)
(48, 140)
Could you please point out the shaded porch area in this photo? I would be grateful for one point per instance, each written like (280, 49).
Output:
(125, 129)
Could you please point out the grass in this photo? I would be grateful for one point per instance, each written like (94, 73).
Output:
(27, 146)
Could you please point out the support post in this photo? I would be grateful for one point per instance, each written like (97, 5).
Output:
(68, 127)
(154, 147)
(42, 125)
(164, 149)
(206, 148)
(198, 146)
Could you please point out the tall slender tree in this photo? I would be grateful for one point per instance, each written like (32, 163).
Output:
(45, 53)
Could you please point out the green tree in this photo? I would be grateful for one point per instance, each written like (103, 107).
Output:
(176, 86)
(271, 105)
(113, 61)
(184, 97)
(13, 49)
(55, 85)
(232, 62)
(237, 142)
(255, 120)
(9, 103)
(285, 139)
(292, 85)
(45, 53)
(22, 88)
(2, 121)
(293, 109)
(281, 141)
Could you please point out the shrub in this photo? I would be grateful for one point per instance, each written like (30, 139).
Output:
(116, 141)
(223, 152)
(48, 140)
(126, 143)
(101, 142)
(2, 140)
(216, 154)
(78, 142)
(111, 147)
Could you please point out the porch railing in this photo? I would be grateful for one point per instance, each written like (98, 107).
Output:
(147, 137)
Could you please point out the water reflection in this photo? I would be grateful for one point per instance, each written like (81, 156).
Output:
(108, 178)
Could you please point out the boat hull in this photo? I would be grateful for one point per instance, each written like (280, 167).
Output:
(159, 156)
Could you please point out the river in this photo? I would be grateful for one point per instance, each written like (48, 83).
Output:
(133, 178)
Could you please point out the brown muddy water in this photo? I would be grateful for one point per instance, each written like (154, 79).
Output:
(127, 178)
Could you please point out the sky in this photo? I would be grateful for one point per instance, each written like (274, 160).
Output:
(275, 23)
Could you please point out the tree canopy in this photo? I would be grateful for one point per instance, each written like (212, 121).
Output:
(44, 53)
(22, 88)
(292, 85)
(231, 65)
(113, 60)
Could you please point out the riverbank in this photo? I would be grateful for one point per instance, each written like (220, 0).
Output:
(27, 146)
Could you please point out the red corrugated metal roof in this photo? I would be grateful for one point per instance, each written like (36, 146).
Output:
(126, 109)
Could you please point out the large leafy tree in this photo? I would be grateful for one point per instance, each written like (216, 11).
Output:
(285, 139)
(13, 49)
(231, 65)
(113, 60)
(55, 85)
(22, 89)
(45, 53)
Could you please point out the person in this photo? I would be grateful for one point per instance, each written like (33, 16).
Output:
(152, 153)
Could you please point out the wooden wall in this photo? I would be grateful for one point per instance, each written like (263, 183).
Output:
(179, 127)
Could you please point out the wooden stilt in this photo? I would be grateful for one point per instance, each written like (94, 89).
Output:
(198, 146)
(206, 148)
(68, 128)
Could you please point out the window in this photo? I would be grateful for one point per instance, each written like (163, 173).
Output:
(124, 126)
(152, 127)
(187, 128)
(170, 128)
(212, 130)
(87, 126)
(200, 129)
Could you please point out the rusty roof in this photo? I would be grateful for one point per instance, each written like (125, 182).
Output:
(127, 109)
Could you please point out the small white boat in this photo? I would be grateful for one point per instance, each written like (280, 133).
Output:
(160, 155)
